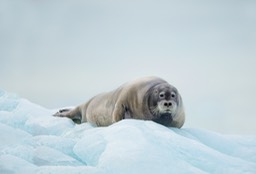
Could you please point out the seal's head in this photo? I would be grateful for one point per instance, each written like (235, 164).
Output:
(163, 103)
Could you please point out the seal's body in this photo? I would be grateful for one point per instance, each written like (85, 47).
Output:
(148, 98)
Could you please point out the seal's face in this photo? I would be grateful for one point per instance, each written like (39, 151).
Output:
(163, 103)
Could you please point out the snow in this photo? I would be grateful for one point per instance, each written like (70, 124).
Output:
(33, 141)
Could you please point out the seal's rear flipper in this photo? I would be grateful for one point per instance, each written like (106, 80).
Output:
(73, 114)
(62, 113)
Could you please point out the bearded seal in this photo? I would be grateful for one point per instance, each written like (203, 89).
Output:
(148, 98)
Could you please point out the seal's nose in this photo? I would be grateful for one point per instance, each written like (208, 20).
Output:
(168, 103)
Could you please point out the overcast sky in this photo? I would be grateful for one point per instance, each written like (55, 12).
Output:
(61, 53)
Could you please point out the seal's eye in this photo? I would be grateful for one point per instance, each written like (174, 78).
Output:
(173, 95)
(161, 95)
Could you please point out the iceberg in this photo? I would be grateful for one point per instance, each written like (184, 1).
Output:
(34, 141)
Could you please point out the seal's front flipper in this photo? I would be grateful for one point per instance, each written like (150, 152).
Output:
(126, 114)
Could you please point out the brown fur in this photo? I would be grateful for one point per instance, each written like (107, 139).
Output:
(130, 100)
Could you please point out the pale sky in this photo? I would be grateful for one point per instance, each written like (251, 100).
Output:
(61, 53)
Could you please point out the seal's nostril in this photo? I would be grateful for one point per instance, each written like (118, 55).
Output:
(167, 104)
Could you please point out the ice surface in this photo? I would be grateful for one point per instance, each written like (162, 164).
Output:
(32, 141)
